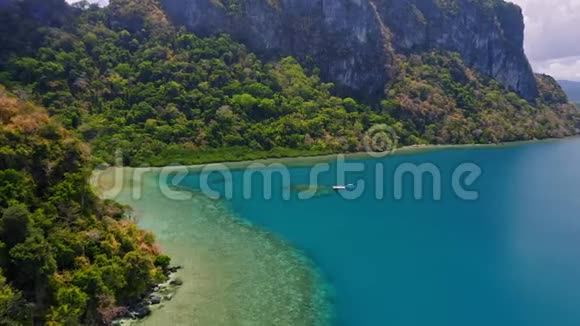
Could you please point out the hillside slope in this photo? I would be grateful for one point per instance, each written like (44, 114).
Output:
(358, 43)
(65, 256)
(126, 78)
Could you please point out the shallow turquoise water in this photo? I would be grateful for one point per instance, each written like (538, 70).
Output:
(234, 274)
(510, 258)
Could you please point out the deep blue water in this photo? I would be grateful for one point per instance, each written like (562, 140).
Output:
(512, 257)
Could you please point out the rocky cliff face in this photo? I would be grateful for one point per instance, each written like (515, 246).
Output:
(358, 44)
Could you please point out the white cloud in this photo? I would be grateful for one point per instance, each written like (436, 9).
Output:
(563, 68)
(100, 2)
(552, 36)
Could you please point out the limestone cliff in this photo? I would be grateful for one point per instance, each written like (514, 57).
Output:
(358, 43)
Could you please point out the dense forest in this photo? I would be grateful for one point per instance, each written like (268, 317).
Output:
(65, 256)
(124, 78)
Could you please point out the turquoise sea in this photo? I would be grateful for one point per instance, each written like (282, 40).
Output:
(512, 257)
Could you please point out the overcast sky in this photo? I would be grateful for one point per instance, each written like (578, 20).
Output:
(552, 36)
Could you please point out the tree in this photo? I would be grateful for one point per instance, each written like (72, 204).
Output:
(71, 304)
(15, 186)
(14, 225)
(13, 309)
(139, 268)
(162, 261)
(244, 101)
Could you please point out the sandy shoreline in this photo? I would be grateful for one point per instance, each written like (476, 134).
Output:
(311, 160)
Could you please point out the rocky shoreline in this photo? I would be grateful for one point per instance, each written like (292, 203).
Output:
(156, 295)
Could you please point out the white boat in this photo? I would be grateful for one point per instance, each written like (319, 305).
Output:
(347, 187)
